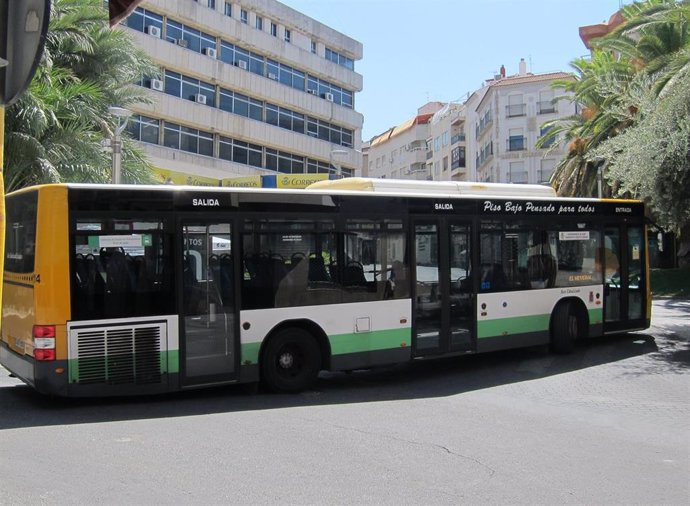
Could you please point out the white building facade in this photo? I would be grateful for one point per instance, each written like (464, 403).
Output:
(402, 152)
(507, 119)
(246, 88)
(489, 137)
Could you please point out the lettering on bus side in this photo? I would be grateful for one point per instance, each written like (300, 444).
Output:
(205, 202)
(530, 207)
(443, 206)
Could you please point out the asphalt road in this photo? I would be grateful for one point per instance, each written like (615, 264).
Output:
(605, 425)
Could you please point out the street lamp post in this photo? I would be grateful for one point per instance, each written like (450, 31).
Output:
(338, 167)
(122, 116)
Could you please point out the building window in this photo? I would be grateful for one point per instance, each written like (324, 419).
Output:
(445, 163)
(240, 152)
(517, 172)
(228, 9)
(516, 143)
(340, 59)
(211, 4)
(288, 35)
(313, 47)
(144, 21)
(244, 16)
(144, 129)
(457, 156)
(274, 29)
(259, 23)
(546, 170)
(545, 104)
(444, 140)
(188, 139)
(281, 161)
(516, 106)
(551, 140)
(187, 37)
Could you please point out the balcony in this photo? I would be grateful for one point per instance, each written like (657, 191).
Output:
(515, 110)
(546, 107)
(457, 138)
(516, 144)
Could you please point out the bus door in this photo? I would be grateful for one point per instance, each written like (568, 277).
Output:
(624, 276)
(442, 287)
(208, 334)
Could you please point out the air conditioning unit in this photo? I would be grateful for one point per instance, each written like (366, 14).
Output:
(311, 92)
(242, 64)
(328, 96)
(153, 31)
(200, 99)
(272, 76)
(182, 42)
(156, 84)
(210, 52)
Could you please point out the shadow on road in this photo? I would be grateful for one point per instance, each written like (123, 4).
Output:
(22, 407)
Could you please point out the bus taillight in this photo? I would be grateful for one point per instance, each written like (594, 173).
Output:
(44, 342)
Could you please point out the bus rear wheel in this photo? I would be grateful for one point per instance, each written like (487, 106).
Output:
(291, 361)
(565, 328)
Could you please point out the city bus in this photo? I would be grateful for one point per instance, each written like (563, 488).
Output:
(126, 289)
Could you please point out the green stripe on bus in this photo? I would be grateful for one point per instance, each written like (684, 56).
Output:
(525, 324)
(250, 353)
(347, 343)
(515, 325)
(596, 316)
(370, 341)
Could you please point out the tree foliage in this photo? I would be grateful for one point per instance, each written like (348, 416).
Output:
(54, 132)
(635, 104)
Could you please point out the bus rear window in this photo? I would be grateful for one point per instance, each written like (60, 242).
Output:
(20, 235)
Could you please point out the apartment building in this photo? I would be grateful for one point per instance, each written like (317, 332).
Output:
(246, 88)
(401, 151)
(507, 117)
(490, 136)
(446, 146)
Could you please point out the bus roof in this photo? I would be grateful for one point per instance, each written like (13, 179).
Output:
(448, 188)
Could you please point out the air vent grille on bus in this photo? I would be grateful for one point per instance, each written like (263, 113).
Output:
(118, 355)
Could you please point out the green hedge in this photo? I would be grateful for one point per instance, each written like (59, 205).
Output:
(670, 282)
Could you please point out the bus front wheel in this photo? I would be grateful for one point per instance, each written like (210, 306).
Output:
(291, 361)
(565, 328)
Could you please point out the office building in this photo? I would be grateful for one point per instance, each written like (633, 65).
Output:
(246, 88)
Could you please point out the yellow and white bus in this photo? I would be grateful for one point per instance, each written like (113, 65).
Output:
(120, 290)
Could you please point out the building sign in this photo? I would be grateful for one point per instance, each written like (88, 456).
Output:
(296, 180)
(166, 176)
(243, 182)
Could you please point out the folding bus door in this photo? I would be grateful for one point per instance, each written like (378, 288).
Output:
(624, 277)
(442, 286)
(208, 334)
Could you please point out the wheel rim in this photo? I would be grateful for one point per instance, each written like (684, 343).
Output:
(290, 361)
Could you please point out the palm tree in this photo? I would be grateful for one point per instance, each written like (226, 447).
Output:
(597, 88)
(54, 132)
(647, 52)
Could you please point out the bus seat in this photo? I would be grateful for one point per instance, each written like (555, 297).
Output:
(317, 269)
(293, 286)
(542, 270)
(353, 275)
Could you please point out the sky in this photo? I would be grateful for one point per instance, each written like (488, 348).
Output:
(417, 51)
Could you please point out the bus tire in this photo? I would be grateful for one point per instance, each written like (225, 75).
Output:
(565, 328)
(291, 361)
